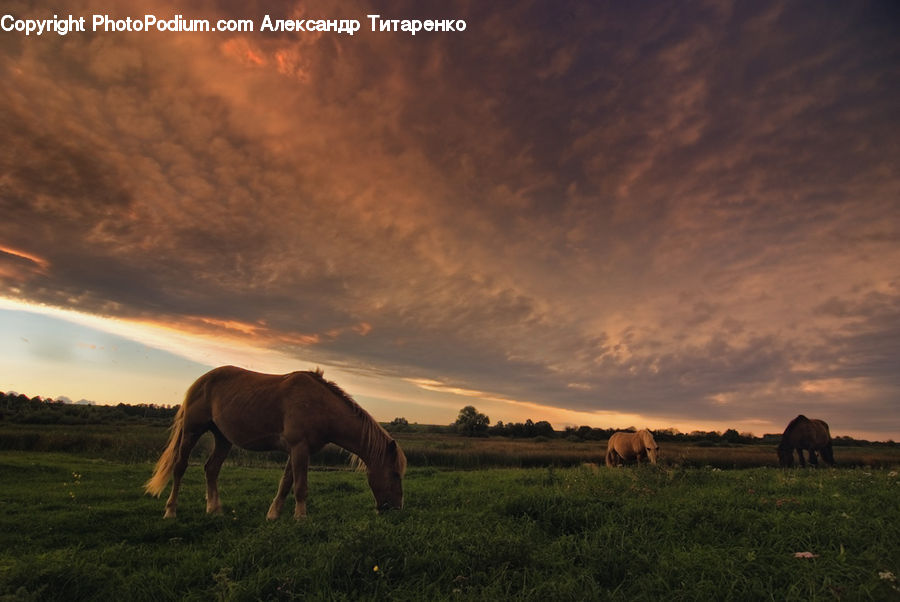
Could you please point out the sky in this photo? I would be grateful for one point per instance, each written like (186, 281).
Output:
(617, 214)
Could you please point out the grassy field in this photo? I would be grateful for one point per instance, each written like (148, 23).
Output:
(75, 527)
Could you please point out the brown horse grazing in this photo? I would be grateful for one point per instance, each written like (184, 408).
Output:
(625, 447)
(809, 434)
(298, 412)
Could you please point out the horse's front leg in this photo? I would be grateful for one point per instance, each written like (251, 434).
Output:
(284, 487)
(641, 455)
(802, 459)
(813, 458)
(300, 464)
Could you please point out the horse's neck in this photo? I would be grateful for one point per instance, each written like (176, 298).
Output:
(358, 437)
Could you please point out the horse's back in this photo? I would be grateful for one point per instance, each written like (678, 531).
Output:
(823, 427)
(236, 386)
(803, 432)
(821, 433)
(614, 440)
(249, 408)
(623, 443)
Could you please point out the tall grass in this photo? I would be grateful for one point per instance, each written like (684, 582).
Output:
(142, 443)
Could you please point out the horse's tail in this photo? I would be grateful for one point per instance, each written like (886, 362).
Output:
(166, 462)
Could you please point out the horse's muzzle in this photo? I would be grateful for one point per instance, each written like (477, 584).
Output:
(387, 507)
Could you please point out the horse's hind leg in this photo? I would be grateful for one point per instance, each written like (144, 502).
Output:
(212, 468)
(613, 458)
(284, 488)
(616, 459)
(300, 464)
(188, 441)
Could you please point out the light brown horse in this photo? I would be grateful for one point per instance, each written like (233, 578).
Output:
(298, 413)
(625, 447)
(810, 434)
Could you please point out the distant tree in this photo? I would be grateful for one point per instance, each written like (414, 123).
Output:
(471, 422)
(498, 429)
(528, 430)
(731, 436)
(543, 429)
(398, 424)
(515, 429)
(667, 434)
(584, 432)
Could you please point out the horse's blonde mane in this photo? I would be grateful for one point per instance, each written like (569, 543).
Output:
(646, 436)
(374, 437)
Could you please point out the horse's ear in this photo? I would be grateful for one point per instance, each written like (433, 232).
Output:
(392, 447)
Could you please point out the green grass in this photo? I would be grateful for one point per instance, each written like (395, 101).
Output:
(76, 528)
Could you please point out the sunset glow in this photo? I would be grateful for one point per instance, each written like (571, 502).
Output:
(631, 214)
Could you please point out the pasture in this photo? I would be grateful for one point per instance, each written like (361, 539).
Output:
(75, 526)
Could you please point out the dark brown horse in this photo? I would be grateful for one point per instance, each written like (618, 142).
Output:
(801, 434)
(298, 412)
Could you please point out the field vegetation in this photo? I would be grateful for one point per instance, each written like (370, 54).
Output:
(78, 528)
(485, 517)
(138, 434)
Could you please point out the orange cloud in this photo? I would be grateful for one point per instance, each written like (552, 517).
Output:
(363, 328)
(239, 48)
(259, 333)
(39, 262)
(233, 325)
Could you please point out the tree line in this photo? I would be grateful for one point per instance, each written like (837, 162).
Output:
(17, 408)
(22, 409)
(472, 423)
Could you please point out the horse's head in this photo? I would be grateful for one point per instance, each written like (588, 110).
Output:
(785, 456)
(386, 478)
(650, 446)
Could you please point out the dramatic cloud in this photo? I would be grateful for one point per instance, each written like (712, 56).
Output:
(687, 212)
